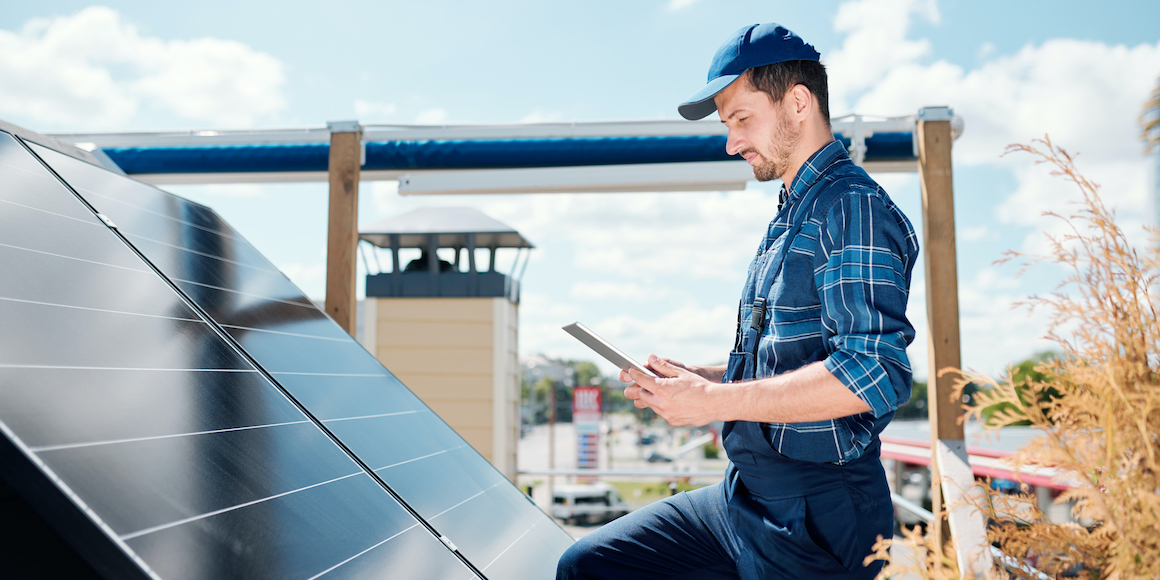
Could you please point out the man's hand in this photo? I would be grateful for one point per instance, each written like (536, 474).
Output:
(682, 396)
(687, 395)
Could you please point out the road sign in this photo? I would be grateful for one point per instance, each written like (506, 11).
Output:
(586, 420)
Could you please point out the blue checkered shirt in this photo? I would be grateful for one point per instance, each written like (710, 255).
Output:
(837, 294)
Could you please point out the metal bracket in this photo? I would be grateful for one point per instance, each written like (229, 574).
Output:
(108, 222)
(447, 542)
(343, 127)
(940, 114)
(858, 141)
(350, 127)
(936, 114)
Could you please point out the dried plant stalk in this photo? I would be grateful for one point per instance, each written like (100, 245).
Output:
(926, 561)
(1098, 403)
(1150, 120)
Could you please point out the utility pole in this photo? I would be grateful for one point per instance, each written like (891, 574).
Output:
(551, 442)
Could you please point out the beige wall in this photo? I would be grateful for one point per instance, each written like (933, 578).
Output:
(460, 355)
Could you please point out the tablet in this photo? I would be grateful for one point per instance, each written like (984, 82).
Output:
(602, 348)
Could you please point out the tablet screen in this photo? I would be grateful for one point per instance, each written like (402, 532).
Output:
(603, 348)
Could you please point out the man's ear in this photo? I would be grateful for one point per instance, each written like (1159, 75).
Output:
(800, 101)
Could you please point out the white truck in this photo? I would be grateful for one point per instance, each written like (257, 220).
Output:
(588, 503)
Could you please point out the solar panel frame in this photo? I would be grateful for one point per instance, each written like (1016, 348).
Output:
(474, 536)
(27, 468)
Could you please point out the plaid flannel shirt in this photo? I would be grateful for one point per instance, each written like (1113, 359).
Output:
(839, 296)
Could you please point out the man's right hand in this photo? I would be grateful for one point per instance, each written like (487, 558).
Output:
(633, 391)
(713, 373)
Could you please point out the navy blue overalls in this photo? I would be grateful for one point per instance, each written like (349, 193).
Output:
(773, 516)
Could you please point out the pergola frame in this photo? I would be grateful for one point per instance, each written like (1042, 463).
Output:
(933, 129)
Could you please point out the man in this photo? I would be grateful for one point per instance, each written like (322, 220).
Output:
(819, 363)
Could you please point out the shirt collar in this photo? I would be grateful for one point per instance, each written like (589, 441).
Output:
(812, 170)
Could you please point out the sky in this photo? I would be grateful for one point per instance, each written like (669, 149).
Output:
(654, 273)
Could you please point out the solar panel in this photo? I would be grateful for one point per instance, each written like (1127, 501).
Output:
(146, 439)
(414, 452)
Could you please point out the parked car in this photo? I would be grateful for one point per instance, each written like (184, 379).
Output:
(657, 457)
(584, 504)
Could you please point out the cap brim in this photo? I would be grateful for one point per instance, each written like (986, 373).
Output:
(701, 104)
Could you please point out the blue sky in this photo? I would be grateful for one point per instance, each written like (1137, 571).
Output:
(654, 272)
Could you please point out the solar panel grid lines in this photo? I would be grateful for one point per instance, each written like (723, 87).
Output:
(85, 523)
(207, 216)
(58, 428)
(427, 465)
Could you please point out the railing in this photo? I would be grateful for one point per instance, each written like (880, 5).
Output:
(926, 515)
(1007, 561)
(623, 472)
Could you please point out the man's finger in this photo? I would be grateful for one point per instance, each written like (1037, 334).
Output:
(648, 398)
(645, 381)
(664, 367)
(625, 377)
(632, 391)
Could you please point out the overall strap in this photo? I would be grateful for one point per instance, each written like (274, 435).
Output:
(757, 318)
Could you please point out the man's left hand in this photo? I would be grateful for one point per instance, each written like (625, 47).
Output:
(679, 396)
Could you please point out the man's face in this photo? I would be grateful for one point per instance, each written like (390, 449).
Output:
(759, 130)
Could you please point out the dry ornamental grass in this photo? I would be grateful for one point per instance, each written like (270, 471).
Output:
(1097, 403)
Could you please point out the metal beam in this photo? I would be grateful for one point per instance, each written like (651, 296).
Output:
(213, 137)
(652, 177)
(701, 176)
(711, 176)
(589, 179)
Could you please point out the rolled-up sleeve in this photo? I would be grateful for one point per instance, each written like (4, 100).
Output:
(862, 273)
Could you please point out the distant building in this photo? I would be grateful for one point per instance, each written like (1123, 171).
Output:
(538, 366)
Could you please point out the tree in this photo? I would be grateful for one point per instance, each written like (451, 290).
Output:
(542, 390)
(586, 373)
(915, 408)
(1021, 375)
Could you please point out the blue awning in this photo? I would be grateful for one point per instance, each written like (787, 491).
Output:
(462, 154)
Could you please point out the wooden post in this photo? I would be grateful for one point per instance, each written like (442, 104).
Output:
(342, 233)
(942, 290)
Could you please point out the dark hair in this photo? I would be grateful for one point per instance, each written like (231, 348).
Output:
(777, 79)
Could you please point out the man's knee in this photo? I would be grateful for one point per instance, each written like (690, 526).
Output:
(575, 563)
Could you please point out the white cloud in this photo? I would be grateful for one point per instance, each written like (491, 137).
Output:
(995, 330)
(235, 190)
(310, 277)
(876, 42)
(1123, 187)
(986, 49)
(384, 198)
(688, 333)
(643, 251)
(648, 235)
(434, 116)
(619, 291)
(675, 5)
(541, 116)
(92, 70)
(975, 233)
(1086, 95)
(373, 110)
(541, 305)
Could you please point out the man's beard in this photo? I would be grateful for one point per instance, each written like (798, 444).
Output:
(785, 140)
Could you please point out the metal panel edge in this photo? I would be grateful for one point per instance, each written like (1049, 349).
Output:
(66, 513)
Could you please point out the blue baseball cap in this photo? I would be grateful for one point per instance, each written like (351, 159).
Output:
(752, 46)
